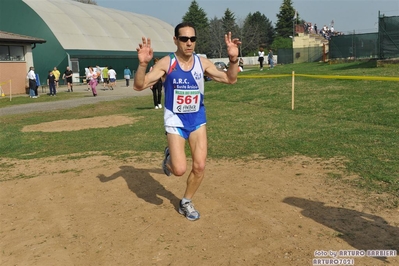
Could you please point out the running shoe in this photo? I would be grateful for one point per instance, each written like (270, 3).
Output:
(164, 167)
(187, 209)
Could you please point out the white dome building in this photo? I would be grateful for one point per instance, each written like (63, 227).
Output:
(80, 35)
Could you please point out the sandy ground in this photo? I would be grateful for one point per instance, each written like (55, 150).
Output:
(95, 210)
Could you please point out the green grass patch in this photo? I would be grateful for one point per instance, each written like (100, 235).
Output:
(351, 119)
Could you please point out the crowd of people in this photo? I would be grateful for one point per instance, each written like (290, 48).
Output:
(324, 31)
(52, 81)
(93, 77)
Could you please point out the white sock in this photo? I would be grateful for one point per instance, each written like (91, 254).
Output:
(184, 200)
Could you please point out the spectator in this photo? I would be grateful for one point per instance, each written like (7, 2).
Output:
(112, 77)
(270, 59)
(98, 74)
(157, 90)
(93, 84)
(37, 85)
(68, 77)
(126, 74)
(57, 75)
(89, 74)
(261, 57)
(51, 83)
(31, 76)
(105, 76)
(241, 64)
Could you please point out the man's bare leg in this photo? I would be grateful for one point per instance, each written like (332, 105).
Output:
(177, 164)
(199, 150)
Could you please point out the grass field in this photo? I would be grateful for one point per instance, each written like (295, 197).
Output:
(354, 120)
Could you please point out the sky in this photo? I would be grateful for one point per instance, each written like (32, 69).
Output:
(359, 16)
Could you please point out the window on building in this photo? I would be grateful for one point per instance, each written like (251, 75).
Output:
(17, 53)
(4, 55)
(75, 65)
(12, 53)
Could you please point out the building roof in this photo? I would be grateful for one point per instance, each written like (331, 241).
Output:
(18, 38)
(79, 26)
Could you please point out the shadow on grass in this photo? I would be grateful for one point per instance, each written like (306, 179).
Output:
(362, 231)
(143, 184)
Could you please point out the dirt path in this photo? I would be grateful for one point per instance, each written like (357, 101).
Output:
(94, 210)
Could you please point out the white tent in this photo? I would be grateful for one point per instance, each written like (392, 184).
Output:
(81, 26)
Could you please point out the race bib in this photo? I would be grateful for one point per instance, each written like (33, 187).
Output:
(186, 101)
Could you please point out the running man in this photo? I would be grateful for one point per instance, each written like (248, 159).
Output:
(184, 115)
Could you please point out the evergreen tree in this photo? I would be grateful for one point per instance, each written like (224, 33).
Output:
(285, 20)
(197, 16)
(257, 31)
(229, 25)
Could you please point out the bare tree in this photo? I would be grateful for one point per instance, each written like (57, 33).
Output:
(91, 2)
(216, 32)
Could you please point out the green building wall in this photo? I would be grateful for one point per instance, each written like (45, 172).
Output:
(18, 17)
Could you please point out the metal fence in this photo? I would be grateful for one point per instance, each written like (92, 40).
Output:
(388, 34)
(383, 44)
(354, 46)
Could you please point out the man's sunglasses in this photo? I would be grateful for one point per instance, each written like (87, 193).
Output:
(185, 38)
